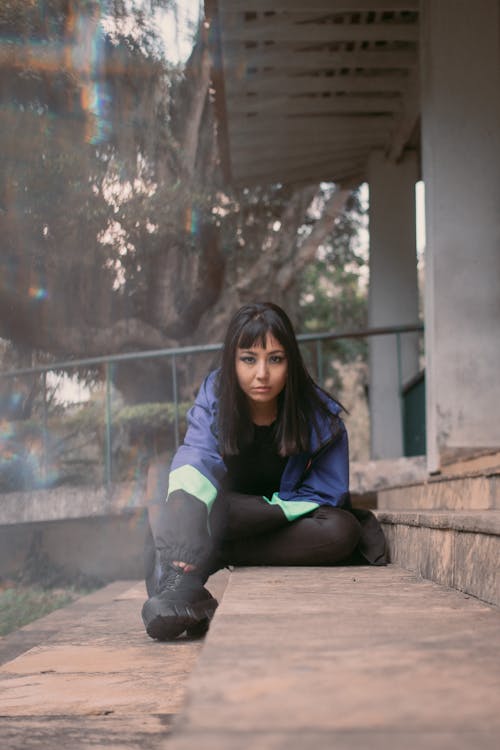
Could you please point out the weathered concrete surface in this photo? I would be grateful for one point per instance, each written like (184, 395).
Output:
(47, 627)
(460, 156)
(475, 492)
(90, 531)
(106, 547)
(296, 657)
(480, 461)
(91, 677)
(455, 549)
(481, 522)
(373, 476)
(344, 658)
(63, 503)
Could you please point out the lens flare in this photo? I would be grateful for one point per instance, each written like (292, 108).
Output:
(192, 221)
(38, 292)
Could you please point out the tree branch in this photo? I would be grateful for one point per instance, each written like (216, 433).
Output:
(200, 70)
(320, 231)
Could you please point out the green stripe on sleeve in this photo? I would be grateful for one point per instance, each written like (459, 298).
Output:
(292, 509)
(191, 480)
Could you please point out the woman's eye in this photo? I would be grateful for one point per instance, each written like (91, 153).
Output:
(248, 360)
(276, 359)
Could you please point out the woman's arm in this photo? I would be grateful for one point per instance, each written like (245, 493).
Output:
(325, 481)
(197, 467)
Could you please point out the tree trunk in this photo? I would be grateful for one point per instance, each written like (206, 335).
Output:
(117, 246)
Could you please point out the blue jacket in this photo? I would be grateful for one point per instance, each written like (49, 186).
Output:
(318, 477)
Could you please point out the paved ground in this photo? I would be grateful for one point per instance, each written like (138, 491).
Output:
(335, 658)
(88, 676)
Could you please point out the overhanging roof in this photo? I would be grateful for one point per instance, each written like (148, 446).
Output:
(305, 89)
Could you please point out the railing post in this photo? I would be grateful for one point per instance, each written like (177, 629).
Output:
(44, 427)
(400, 389)
(107, 467)
(319, 358)
(176, 402)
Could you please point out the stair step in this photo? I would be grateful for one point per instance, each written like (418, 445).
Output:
(482, 460)
(460, 549)
(345, 658)
(473, 492)
(332, 657)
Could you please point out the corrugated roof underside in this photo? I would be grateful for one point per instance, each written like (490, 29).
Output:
(312, 87)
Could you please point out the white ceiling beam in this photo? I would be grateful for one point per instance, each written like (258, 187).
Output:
(251, 171)
(308, 126)
(283, 144)
(324, 170)
(336, 146)
(316, 6)
(238, 61)
(280, 32)
(310, 130)
(307, 106)
(256, 167)
(258, 157)
(314, 84)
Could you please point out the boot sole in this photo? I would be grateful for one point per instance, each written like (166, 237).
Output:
(167, 620)
(199, 629)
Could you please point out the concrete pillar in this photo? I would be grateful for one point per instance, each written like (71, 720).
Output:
(393, 297)
(460, 81)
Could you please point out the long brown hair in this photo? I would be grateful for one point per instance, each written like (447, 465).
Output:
(299, 403)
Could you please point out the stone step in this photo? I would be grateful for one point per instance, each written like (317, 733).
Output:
(475, 492)
(66, 502)
(88, 675)
(482, 460)
(344, 657)
(460, 549)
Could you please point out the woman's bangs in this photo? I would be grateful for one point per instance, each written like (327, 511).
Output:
(254, 333)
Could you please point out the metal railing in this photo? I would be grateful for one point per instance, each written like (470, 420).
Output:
(173, 354)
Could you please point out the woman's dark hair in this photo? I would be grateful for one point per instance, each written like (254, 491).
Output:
(298, 403)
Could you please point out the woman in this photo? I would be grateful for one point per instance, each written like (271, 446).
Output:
(261, 478)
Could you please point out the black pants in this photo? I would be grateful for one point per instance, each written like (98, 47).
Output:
(247, 530)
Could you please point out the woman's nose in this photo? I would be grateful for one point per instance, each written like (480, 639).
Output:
(262, 370)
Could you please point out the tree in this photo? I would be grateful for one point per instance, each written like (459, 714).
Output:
(118, 232)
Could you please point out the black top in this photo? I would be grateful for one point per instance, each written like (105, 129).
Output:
(258, 467)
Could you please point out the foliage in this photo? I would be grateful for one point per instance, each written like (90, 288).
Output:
(144, 417)
(333, 288)
(118, 231)
(39, 588)
(71, 448)
(21, 605)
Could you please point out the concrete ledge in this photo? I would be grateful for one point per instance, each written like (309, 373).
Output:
(474, 492)
(105, 548)
(481, 522)
(460, 549)
(345, 658)
(47, 627)
(90, 531)
(63, 503)
(371, 476)
(88, 676)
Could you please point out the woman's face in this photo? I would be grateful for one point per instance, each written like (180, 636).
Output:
(261, 373)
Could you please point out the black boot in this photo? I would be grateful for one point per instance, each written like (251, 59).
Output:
(181, 603)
